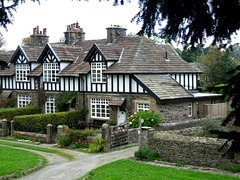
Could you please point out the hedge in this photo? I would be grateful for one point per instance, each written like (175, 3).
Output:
(10, 113)
(42, 120)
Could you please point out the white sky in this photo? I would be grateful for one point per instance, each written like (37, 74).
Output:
(93, 16)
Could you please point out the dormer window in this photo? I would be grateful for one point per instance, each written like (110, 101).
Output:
(50, 71)
(22, 70)
(97, 69)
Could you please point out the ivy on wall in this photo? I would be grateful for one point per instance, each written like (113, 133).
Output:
(63, 99)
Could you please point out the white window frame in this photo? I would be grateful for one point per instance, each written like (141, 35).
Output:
(190, 109)
(50, 106)
(50, 71)
(100, 108)
(142, 107)
(97, 69)
(22, 70)
(23, 100)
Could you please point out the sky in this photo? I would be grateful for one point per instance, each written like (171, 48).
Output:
(93, 16)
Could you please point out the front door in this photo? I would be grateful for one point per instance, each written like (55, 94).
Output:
(121, 116)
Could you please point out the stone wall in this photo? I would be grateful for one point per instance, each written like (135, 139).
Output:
(133, 136)
(178, 148)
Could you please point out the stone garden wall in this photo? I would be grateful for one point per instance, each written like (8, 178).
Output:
(178, 148)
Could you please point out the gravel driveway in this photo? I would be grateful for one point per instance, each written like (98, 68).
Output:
(61, 169)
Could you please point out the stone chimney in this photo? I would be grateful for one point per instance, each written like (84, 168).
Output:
(39, 38)
(114, 32)
(74, 34)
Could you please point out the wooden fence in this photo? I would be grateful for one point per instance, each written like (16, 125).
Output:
(215, 109)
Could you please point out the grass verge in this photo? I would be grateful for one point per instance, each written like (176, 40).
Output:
(68, 156)
(125, 169)
(14, 161)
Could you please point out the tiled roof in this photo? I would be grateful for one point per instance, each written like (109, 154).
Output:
(36, 72)
(32, 53)
(66, 53)
(79, 66)
(8, 71)
(5, 94)
(164, 87)
(6, 56)
(141, 55)
(111, 53)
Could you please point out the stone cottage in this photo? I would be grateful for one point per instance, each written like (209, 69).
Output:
(113, 77)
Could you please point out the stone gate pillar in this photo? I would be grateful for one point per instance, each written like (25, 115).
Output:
(4, 128)
(49, 133)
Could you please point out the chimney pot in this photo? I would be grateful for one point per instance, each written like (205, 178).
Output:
(37, 29)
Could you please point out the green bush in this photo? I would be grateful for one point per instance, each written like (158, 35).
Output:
(211, 124)
(111, 122)
(98, 145)
(152, 155)
(76, 135)
(145, 153)
(12, 112)
(150, 119)
(64, 140)
(42, 120)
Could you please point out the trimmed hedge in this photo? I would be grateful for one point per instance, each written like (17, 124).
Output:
(12, 112)
(42, 120)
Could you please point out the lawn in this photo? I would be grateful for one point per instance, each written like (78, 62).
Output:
(70, 157)
(15, 160)
(125, 169)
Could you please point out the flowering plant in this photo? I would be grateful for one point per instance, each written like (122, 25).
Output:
(150, 119)
(111, 122)
(17, 135)
(80, 144)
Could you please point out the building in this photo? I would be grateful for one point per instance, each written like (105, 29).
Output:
(114, 77)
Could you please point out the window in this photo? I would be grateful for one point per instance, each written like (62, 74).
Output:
(50, 105)
(190, 109)
(50, 70)
(96, 72)
(23, 100)
(22, 70)
(142, 107)
(100, 108)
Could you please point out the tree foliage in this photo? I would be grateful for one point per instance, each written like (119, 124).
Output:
(6, 11)
(216, 66)
(26, 41)
(63, 98)
(232, 93)
(190, 21)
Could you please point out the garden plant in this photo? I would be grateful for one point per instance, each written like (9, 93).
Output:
(150, 119)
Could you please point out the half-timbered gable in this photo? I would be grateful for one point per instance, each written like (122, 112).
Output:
(54, 59)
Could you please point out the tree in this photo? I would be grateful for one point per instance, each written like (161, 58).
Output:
(216, 66)
(3, 64)
(232, 93)
(6, 11)
(190, 21)
(26, 41)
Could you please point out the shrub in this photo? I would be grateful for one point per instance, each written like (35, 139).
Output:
(111, 122)
(76, 135)
(64, 139)
(98, 145)
(150, 119)
(26, 110)
(63, 98)
(42, 120)
(211, 124)
(7, 103)
(152, 155)
(145, 153)
(142, 153)
(79, 144)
